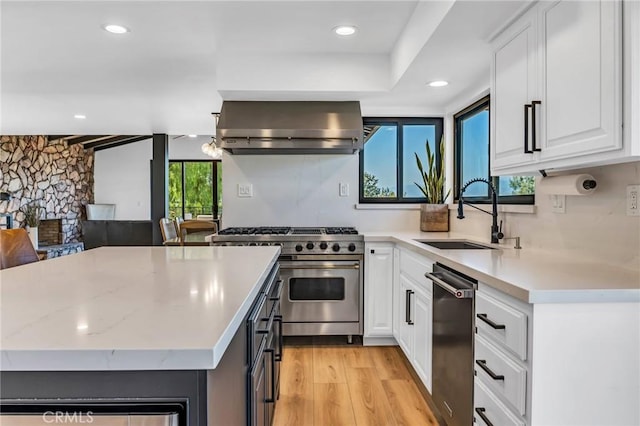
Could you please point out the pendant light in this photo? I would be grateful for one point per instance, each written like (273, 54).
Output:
(211, 149)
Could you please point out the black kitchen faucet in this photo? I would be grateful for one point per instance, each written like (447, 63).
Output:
(496, 231)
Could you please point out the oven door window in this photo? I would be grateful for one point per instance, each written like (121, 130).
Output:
(317, 289)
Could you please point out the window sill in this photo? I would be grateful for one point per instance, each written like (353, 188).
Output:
(382, 206)
(502, 208)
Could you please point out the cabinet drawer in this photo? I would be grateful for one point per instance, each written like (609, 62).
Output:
(414, 267)
(502, 322)
(513, 384)
(486, 404)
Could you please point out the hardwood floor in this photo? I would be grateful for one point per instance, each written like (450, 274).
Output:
(348, 385)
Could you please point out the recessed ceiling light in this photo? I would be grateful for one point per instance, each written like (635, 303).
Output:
(438, 83)
(345, 30)
(193, 136)
(115, 29)
(80, 116)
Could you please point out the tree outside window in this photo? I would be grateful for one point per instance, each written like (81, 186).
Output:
(195, 187)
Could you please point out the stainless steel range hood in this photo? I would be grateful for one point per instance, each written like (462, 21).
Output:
(266, 127)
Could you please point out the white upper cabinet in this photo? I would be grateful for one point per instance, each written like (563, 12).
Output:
(632, 77)
(557, 72)
(513, 83)
(580, 78)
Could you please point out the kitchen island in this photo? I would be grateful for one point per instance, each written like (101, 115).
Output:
(146, 324)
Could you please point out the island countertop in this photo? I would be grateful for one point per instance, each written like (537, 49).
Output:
(531, 275)
(128, 308)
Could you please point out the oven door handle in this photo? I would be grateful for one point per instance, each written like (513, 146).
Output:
(329, 266)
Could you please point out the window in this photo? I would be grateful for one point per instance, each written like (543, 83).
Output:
(388, 167)
(471, 136)
(195, 187)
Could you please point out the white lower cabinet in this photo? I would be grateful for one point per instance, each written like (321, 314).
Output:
(405, 327)
(423, 323)
(489, 411)
(502, 359)
(378, 290)
(413, 306)
(504, 375)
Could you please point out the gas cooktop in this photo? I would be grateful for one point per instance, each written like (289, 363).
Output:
(302, 240)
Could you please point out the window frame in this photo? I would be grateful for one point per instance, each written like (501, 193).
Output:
(458, 117)
(437, 122)
(214, 166)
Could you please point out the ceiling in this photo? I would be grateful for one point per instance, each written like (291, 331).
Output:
(182, 58)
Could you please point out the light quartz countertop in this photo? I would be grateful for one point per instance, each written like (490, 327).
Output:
(128, 308)
(531, 275)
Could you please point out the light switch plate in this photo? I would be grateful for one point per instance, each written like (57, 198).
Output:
(558, 203)
(344, 189)
(245, 190)
(633, 193)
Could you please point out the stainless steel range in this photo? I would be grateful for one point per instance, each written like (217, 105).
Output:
(322, 273)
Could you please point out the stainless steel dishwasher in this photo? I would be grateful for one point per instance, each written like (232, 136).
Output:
(453, 335)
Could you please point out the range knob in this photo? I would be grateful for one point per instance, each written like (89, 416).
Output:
(335, 247)
(253, 244)
(323, 246)
(298, 247)
(352, 247)
(310, 245)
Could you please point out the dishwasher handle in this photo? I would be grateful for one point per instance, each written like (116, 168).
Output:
(460, 293)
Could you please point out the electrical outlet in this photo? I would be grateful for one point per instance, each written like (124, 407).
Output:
(633, 192)
(558, 203)
(245, 190)
(344, 189)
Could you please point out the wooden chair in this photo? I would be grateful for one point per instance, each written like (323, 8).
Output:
(168, 229)
(178, 222)
(191, 226)
(16, 248)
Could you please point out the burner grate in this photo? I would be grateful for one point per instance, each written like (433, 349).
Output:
(341, 231)
(306, 231)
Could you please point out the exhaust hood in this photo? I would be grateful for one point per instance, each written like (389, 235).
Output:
(290, 127)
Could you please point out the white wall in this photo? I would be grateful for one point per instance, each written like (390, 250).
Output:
(122, 174)
(122, 178)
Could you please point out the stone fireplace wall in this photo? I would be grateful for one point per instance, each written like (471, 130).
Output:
(56, 176)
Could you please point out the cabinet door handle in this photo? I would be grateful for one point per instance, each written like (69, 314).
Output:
(527, 107)
(533, 124)
(272, 399)
(480, 411)
(408, 307)
(278, 355)
(483, 364)
(484, 318)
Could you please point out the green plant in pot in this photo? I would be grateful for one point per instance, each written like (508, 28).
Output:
(32, 213)
(434, 215)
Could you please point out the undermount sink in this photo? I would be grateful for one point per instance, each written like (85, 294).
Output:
(455, 245)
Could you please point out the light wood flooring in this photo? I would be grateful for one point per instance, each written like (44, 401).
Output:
(348, 385)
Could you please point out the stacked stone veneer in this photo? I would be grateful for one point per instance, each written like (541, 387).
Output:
(56, 176)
